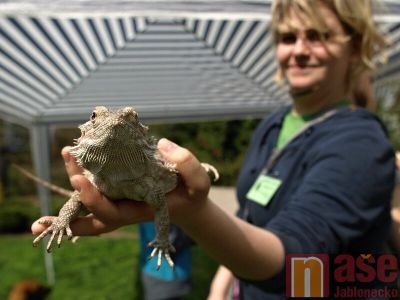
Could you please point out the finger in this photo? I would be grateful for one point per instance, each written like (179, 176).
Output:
(88, 225)
(112, 213)
(193, 174)
(129, 212)
(71, 165)
(93, 200)
(38, 227)
(91, 225)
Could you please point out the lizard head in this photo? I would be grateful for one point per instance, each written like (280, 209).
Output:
(107, 132)
(105, 124)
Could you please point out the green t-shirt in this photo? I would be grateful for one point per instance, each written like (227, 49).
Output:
(292, 123)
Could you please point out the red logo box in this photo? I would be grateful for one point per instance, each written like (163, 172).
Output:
(307, 275)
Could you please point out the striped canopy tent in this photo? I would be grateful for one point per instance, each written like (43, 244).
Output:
(171, 60)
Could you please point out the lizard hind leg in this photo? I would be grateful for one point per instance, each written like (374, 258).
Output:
(162, 245)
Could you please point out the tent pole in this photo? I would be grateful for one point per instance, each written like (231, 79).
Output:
(40, 145)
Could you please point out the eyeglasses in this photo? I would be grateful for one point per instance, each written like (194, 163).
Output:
(313, 37)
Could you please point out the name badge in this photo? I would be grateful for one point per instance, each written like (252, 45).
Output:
(263, 189)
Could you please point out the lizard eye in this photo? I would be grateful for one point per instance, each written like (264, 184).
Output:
(93, 116)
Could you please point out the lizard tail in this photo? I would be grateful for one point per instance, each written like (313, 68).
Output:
(59, 190)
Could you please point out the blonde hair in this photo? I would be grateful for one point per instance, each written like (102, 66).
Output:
(357, 21)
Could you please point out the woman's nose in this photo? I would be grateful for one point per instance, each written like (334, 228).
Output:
(301, 47)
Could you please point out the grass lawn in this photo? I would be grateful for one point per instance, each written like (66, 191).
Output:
(93, 268)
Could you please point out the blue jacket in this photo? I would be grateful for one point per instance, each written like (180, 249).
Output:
(182, 257)
(337, 179)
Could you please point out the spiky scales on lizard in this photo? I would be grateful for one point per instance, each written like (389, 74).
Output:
(120, 158)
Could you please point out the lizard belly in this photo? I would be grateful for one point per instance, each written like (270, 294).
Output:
(106, 186)
(135, 189)
(141, 188)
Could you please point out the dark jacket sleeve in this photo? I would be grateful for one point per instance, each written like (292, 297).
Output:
(347, 190)
(343, 199)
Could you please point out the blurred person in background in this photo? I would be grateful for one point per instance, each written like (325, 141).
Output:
(165, 283)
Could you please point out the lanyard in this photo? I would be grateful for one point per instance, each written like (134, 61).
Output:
(277, 153)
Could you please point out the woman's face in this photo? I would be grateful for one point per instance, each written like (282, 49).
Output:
(310, 63)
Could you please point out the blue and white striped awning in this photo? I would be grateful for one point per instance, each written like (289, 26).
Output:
(172, 60)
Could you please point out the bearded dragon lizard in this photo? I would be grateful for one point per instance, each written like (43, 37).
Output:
(122, 161)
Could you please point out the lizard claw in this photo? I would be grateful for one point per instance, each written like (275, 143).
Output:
(161, 250)
(211, 170)
(56, 228)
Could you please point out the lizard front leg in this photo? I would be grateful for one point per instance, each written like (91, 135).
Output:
(60, 224)
(161, 243)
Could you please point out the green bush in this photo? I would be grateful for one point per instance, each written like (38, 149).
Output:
(17, 216)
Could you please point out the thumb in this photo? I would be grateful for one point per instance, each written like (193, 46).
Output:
(189, 167)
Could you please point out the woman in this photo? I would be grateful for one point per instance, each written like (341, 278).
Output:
(318, 175)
